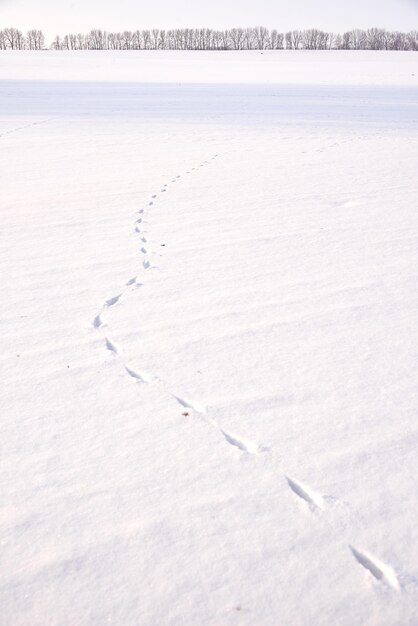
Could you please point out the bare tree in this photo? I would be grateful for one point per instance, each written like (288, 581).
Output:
(155, 38)
(56, 44)
(97, 39)
(146, 38)
(127, 40)
(137, 40)
(375, 39)
(65, 43)
(225, 40)
(396, 41)
(310, 39)
(217, 40)
(358, 39)
(81, 41)
(262, 37)
(249, 39)
(236, 36)
(296, 39)
(35, 39)
(73, 42)
(276, 40)
(345, 41)
(14, 39)
(331, 40)
(3, 42)
(412, 40)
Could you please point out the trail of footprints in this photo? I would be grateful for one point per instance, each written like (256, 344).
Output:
(316, 502)
(19, 128)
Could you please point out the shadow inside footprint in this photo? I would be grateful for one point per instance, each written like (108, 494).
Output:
(244, 446)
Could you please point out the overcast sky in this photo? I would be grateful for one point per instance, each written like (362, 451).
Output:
(62, 16)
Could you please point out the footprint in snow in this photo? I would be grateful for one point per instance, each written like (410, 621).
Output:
(243, 445)
(114, 300)
(111, 346)
(377, 568)
(191, 404)
(98, 322)
(314, 499)
(141, 377)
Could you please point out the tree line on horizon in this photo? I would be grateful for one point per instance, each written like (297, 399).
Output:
(252, 38)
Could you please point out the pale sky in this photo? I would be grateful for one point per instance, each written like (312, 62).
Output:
(63, 16)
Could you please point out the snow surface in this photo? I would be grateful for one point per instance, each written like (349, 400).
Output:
(209, 339)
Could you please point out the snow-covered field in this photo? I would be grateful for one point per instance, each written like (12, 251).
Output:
(209, 339)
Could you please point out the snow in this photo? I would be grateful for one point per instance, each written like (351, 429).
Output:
(209, 338)
(289, 67)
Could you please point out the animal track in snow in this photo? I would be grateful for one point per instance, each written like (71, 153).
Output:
(114, 300)
(98, 322)
(191, 404)
(140, 376)
(111, 346)
(241, 444)
(306, 493)
(377, 568)
(18, 128)
(144, 377)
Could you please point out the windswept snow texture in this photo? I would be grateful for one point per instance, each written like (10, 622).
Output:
(209, 339)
